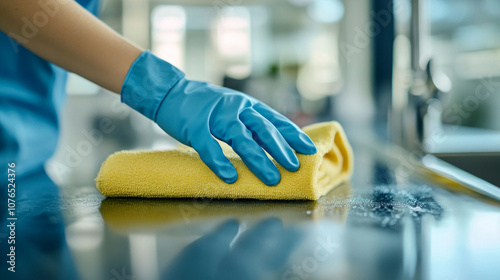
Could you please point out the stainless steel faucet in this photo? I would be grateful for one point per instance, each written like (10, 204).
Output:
(416, 105)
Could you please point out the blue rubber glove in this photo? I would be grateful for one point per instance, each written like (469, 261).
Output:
(195, 112)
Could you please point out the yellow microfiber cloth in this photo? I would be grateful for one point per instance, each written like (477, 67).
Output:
(181, 173)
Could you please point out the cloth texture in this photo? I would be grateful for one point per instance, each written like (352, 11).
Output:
(180, 172)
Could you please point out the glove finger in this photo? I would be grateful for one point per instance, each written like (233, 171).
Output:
(267, 136)
(211, 154)
(240, 139)
(297, 139)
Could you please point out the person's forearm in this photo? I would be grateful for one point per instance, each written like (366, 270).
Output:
(70, 37)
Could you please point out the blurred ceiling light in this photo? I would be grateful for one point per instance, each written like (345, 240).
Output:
(327, 11)
(233, 41)
(168, 33)
(321, 75)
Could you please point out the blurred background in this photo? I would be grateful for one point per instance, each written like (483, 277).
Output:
(403, 69)
(465, 43)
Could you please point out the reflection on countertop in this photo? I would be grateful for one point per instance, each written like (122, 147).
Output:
(38, 235)
(379, 226)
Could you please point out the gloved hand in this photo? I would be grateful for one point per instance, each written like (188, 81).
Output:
(195, 112)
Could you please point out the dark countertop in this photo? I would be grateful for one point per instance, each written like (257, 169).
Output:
(381, 225)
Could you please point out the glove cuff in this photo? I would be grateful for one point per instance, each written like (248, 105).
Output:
(148, 82)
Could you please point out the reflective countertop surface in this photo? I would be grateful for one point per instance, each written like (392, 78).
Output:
(381, 225)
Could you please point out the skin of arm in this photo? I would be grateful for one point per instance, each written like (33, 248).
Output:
(64, 33)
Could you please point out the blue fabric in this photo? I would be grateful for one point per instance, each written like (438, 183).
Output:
(32, 95)
(195, 112)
